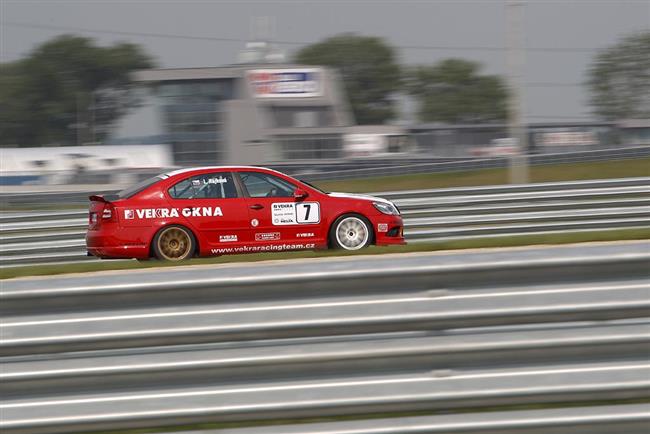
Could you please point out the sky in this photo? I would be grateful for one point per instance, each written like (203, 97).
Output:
(561, 37)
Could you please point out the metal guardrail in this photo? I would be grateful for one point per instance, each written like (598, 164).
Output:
(204, 285)
(519, 188)
(142, 328)
(479, 163)
(462, 350)
(333, 337)
(430, 215)
(328, 398)
(629, 419)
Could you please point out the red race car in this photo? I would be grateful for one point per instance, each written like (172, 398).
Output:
(223, 210)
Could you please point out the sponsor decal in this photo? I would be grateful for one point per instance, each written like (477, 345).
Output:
(202, 212)
(269, 248)
(382, 227)
(227, 238)
(290, 213)
(220, 180)
(267, 236)
(254, 223)
(153, 213)
(283, 213)
(305, 235)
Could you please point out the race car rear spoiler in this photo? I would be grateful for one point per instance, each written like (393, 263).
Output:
(103, 198)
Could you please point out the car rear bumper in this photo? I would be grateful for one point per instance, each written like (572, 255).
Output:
(107, 246)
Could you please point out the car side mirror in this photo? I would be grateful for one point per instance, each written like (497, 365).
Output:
(299, 194)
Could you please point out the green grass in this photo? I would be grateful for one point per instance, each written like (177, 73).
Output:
(550, 173)
(505, 241)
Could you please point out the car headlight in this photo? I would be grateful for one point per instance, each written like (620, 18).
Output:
(386, 208)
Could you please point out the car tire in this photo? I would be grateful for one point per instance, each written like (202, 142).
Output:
(174, 243)
(351, 232)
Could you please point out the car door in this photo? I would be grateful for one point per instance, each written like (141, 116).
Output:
(275, 215)
(213, 207)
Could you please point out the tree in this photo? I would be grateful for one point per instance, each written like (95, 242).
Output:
(368, 69)
(66, 91)
(619, 79)
(453, 91)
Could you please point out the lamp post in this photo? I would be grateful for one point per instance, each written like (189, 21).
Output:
(516, 60)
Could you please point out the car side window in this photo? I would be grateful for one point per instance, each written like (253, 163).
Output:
(218, 185)
(264, 185)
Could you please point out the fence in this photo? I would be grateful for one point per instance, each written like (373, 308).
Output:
(430, 215)
(630, 419)
(478, 164)
(335, 337)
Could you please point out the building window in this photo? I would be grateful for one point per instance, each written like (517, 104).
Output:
(305, 119)
(193, 119)
(309, 147)
(302, 117)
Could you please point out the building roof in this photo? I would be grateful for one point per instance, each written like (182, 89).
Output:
(375, 129)
(208, 73)
(440, 126)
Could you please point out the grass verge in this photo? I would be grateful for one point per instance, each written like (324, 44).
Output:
(550, 173)
(505, 241)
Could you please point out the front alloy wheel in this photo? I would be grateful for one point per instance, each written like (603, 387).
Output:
(351, 233)
(174, 243)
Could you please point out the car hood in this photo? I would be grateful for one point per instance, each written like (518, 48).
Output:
(360, 196)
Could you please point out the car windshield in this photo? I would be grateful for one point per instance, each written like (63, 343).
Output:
(313, 186)
(137, 188)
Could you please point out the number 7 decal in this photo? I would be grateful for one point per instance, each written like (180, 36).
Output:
(308, 212)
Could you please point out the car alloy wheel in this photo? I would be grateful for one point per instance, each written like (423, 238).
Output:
(352, 233)
(174, 244)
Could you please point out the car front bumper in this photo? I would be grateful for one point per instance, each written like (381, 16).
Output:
(389, 230)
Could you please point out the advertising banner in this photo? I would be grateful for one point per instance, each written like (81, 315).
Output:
(567, 138)
(286, 83)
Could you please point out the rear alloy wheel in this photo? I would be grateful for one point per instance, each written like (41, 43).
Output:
(174, 243)
(351, 232)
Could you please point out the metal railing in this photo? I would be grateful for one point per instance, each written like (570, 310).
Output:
(430, 215)
(629, 419)
(333, 337)
(477, 164)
